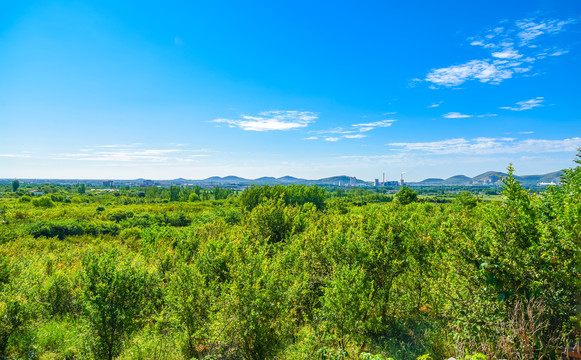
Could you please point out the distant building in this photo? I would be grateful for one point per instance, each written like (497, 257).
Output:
(352, 181)
(108, 183)
(376, 183)
(147, 183)
(35, 192)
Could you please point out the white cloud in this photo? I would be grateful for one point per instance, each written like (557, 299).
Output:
(456, 115)
(530, 29)
(487, 115)
(526, 104)
(119, 145)
(390, 113)
(526, 132)
(509, 53)
(272, 120)
(500, 42)
(484, 71)
(559, 52)
(435, 105)
(355, 131)
(15, 155)
(131, 156)
(355, 136)
(414, 82)
(311, 138)
(480, 146)
(372, 125)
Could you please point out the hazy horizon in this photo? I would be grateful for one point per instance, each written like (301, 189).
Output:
(137, 90)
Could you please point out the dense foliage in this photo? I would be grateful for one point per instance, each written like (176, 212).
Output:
(288, 272)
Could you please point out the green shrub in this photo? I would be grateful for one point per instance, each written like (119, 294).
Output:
(119, 215)
(43, 201)
(406, 196)
(113, 300)
(60, 229)
(14, 316)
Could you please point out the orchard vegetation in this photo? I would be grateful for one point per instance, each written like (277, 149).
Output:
(288, 272)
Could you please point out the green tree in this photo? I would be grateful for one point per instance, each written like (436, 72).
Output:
(113, 293)
(253, 313)
(188, 297)
(466, 199)
(174, 193)
(15, 185)
(346, 305)
(13, 317)
(43, 201)
(81, 189)
(406, 196)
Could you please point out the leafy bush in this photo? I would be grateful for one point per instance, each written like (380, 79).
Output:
(292, 195)
(113, 295)
(406, 196)
(119, 215)
(43, 201)
(60, 229)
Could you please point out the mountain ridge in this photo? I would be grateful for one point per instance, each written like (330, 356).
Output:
(488, 178)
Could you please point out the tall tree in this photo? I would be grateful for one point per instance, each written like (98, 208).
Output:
(15, 185)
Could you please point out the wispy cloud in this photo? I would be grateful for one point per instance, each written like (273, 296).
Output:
(128, 155)
(481, 146)
(435, 105)
(485, 71)
(526, 104)
(456, 115)
(119, 145)
(532, 28)
(355, 136)
(353, 132)
(15, 155)
(512, 48)
(372, 125)
(272, 120)
(509, 53)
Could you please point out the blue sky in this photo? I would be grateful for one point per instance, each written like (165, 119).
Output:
(171, 89)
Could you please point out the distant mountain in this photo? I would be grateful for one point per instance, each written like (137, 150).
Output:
(493, 178)
(290, 180)
(224, 180)
(554, 177)
(488, 178)
(342, 179)
(432, 181)
(265, 179)
(484, 179)
(457, 180)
